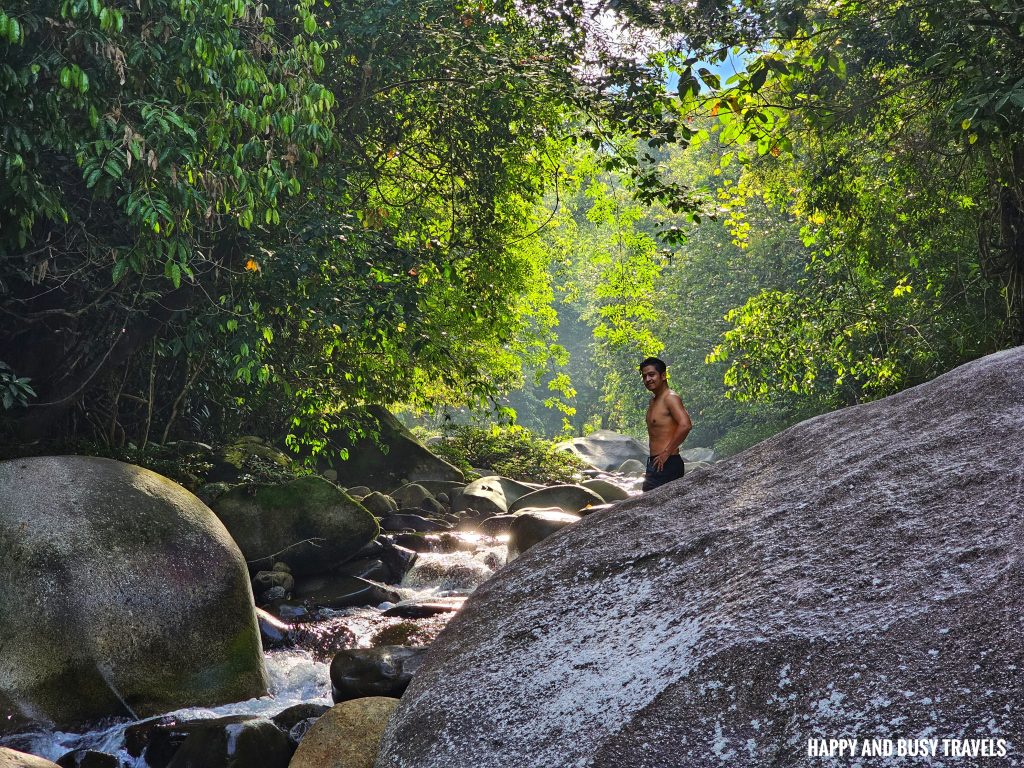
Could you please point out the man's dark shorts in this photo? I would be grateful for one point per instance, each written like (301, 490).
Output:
(672, 470)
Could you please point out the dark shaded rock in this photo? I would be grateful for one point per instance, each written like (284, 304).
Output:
(273, 631)
(397, 557)
(406, 459)
(233, 742)
(382, 671)
(498, 525)
(86, 758)
(407, 520)
(264, 580)
(416, 543)
(308, 523)
(288, 718)
(338, 591)
(380, 504)
(123, 591)
(568, 498)
(425, 608)
(432, 507)
(859, 574)
(233, 461)
(374, 570)
(534, 525)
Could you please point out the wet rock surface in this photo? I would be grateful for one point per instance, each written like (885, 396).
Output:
(860, 574)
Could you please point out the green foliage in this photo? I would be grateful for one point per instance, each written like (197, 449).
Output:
(14, 390)
(511, 451)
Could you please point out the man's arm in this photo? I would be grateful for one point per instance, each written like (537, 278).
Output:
(683, 426)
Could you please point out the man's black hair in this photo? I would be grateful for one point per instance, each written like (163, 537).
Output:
(657, 362)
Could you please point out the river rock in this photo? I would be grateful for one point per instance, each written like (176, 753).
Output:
(568, 498)
(858, 574)
(233, 461)
(604, 449)
(533, 525)
(380, 504)
(632, 467)
(237, 741)
(88, 758)
(357, 491)
(394, 458)
(10, 758)
(288, 718)
(698, 454)
(491, 495)
(408, 520)
(382, 671)
(497, 525)
(607, 491)
(423, 608)
(339, 591)
(124, 595)
(348, 736)
(308, 523)
(410, 495)
(366, 568)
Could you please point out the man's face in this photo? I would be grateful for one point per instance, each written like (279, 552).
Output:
(651, 378)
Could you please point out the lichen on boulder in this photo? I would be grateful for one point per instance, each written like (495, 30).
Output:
(308, 523)
(123, 595)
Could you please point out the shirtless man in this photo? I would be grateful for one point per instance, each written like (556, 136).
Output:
(668, 424)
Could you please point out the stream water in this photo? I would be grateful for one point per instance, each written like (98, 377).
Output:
(301, 675)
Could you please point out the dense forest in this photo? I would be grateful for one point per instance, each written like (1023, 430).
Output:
(223, 217)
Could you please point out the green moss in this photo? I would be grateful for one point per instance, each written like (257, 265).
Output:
(309, 492)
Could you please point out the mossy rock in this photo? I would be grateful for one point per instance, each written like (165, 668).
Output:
(390, 461)
(308, 523)
(124, 595)
(251, 456)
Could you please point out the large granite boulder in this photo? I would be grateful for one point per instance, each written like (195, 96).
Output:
(123, 594)
(348, 736)
(308, 523)
(568, 498)
(858, 575)
(605, 449)
(391, 459)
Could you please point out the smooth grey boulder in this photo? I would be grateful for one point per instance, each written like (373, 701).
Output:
(410, 495)
(308, 523)
(632, 467)
(491, 495)
(605, 449)
(698, 454)
(568, 498)
(607, 491)
(123, 594)
(860, 574)
(534, 525)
